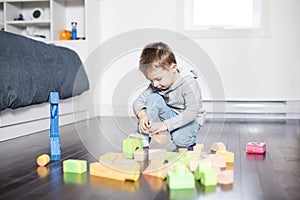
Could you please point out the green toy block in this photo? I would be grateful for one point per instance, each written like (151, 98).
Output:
(200, 169)
(74, 166)
(131, 145)
(209, 177)
(75, 178)
(180, 178)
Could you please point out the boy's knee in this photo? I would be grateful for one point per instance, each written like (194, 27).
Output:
(183, 141)
(154, 97)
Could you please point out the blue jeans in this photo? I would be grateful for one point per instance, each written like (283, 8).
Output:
(157, 109)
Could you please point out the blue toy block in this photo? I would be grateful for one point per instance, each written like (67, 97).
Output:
(54, 98)
(54, 127)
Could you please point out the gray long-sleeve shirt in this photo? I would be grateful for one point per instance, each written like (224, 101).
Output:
(183, 96)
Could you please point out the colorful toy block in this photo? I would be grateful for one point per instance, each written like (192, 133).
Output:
(74, 166)
(217, 160)
(159, 138)
(180, 178)
(198, 173)
(219, 146)
(131, 145)
(225, 177)
(193, 163)
(256, 147)
(75, 178)
(157, 169)
(209, 177)
(111, 156)
(157, 154)
(198, 148)
(140, 155)
(43, 160)
(229, 156)
(55, 150)
(117, 171)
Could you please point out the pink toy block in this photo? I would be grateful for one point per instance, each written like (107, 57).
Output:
(256, 147)
(140, 155)
(218, 161)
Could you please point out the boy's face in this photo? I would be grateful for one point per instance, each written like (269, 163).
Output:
(161, 78)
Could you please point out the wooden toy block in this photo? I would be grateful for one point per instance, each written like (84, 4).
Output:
(180, 178)
(111, 156)
(219, 146)
(75, 178)
(155, 183)
(182, 150)
(229, 156)
(113, 184)
(225, 177)
(43, 160)
(198, 173)
(131, 145)
(159, 138)
(193, 163)
(157, 154)
(256, 147)
(217, 160)
(140, 155)
(157, 169)
(198, 148)
(55, 149)
(116, 171)
(209, 177)
(172, 157)
(74, 166)
(43, 171)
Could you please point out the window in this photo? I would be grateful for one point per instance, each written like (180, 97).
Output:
(223, 18)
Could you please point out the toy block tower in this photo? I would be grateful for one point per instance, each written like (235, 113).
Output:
(54, 133)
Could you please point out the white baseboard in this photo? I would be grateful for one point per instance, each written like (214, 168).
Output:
(229, 109)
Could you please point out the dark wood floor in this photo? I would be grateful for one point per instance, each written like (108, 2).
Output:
(275, 175)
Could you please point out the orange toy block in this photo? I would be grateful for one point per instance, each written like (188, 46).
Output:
(43, 160)
(217, 160)
(225, 177)
(219, 146)
(229, 156)
(117, 171)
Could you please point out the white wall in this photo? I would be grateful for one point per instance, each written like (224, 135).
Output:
(250, 68)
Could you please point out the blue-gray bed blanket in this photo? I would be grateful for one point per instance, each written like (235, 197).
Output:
(30, 70)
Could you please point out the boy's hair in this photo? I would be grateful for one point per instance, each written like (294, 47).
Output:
(158, 55)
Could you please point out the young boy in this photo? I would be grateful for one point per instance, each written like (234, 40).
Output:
(171, 102)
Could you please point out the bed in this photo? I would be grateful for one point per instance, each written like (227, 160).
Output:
(29, 71)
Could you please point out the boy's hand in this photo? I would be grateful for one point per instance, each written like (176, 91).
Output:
(144, 122)
(157, 127)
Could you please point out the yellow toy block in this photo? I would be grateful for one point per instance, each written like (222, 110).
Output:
(229, 156)
(118, 171)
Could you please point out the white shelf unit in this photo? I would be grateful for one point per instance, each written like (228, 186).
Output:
(57, 16)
